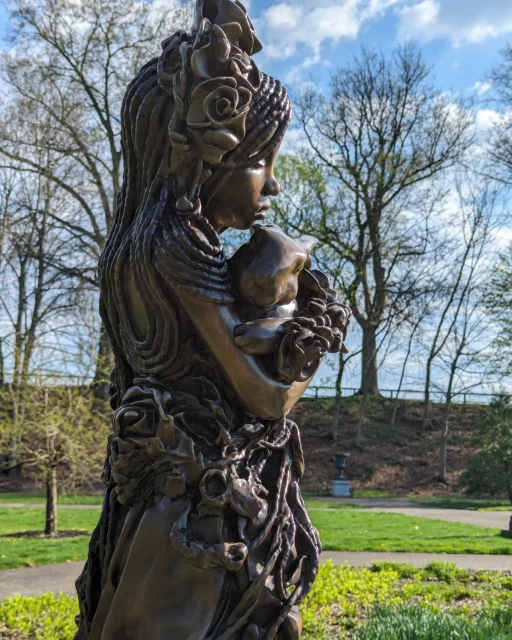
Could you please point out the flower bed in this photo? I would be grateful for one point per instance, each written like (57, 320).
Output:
(385, 602)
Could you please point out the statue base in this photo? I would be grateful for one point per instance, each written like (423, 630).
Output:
(340, 489)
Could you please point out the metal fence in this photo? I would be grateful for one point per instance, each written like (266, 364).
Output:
(405, 394)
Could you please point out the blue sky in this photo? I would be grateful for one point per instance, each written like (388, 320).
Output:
(461, 39)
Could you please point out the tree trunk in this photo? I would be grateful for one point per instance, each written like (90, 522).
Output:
(51, 502)
(369, 378)
(445, 431)
(2, 380)
(444, 445)
(104, 365)
(426, 405)
(335, 424)
(360, 421)
(395, 408)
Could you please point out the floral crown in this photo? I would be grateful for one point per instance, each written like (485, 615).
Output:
(213, 81)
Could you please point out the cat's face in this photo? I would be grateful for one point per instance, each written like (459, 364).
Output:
(266, 269)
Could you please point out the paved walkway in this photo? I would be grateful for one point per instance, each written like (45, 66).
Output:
(35, 581)
(473, 562)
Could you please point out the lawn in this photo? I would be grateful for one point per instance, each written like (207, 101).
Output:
(359, 530)
(22, 552)
(385, 602)
(40, 498)
(341, 529)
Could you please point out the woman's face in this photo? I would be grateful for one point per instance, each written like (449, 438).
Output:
(245, 197)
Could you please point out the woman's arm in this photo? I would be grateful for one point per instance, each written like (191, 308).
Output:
(259, 393)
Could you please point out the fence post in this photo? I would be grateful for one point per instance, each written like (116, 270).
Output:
(465, 398)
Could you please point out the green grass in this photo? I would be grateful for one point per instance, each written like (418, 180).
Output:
(341, 527)
(358, 530)
(15, 553)
(351, 530)
(20, 552)
(39, 498)
(469, 504)
(385, 602)
(20, 519)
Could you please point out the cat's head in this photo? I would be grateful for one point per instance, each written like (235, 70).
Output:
(265, 270)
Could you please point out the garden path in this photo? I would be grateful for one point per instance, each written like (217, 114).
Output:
(34, 581)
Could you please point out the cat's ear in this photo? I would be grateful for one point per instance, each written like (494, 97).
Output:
(308, 243)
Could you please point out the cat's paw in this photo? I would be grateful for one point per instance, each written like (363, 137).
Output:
(257, 338)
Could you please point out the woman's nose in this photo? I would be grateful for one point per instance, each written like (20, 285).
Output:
(272, 187)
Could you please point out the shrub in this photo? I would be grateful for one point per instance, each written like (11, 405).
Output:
(47, 617)
(446, 572)
(489, 472)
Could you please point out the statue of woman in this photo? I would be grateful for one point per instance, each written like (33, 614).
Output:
(203, 533)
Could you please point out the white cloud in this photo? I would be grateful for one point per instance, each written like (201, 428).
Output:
(487, 118)
(288, 27)
(482, 88)
(504, 238)
(460, 21)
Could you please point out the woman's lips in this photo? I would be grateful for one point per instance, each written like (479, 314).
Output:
(262, 211)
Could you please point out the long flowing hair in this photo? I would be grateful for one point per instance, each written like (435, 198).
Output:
(158, 246)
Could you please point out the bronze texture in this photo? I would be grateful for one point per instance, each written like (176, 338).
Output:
(203, 533)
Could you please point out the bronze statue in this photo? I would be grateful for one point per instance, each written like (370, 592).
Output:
(203, 532)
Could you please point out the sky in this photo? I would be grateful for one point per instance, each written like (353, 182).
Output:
(460, 39)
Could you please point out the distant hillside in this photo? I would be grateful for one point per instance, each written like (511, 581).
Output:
(401, 459)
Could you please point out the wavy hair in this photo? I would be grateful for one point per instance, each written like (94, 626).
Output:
(159, 245)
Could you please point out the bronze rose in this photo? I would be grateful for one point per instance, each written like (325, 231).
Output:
(216, 117)
(301, 349)
(225, 12)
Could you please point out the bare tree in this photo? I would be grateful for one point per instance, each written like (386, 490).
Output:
(72, 61)
(500, 147)
(413, 324)
(464, 358)
(458, 330)
(465, 251)
(378, 139)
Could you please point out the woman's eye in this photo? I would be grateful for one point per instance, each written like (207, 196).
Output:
(259, 165)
